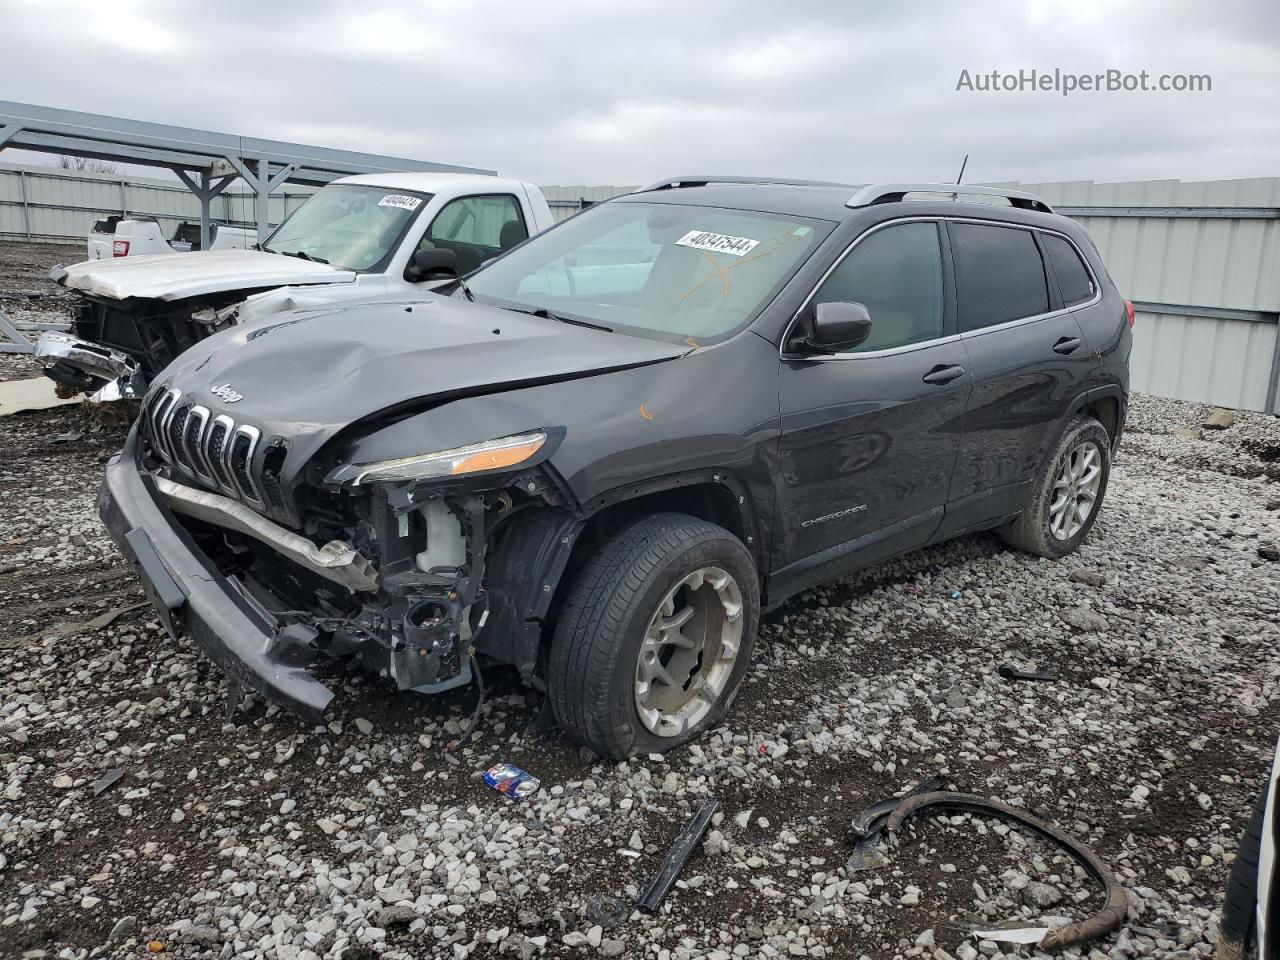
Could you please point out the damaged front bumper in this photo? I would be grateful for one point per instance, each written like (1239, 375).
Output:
(83, 367)
(247, 642)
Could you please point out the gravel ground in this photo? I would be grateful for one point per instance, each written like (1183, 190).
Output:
(269, 838)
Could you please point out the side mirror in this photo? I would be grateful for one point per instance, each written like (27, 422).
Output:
(432, 265)
(836, 327)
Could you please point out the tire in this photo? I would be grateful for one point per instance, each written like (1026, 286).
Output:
(604, 630)
(1236, 932)
(1037, 530)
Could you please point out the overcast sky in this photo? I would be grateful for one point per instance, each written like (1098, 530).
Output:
(580, 92)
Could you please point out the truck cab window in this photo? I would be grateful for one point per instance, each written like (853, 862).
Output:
(476, 229)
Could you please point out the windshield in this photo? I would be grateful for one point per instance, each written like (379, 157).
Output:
(670, 270)
(349, 226)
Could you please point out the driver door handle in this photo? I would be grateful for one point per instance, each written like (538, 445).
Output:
(944, 373)
(1067, 345)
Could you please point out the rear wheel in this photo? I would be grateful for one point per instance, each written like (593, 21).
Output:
(654, 637)
(1067, 495)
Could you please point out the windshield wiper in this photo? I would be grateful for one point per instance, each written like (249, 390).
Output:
(546, 314)
(466, 291)
(303, 255)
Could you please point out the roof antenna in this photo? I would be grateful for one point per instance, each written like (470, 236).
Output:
(964, 163)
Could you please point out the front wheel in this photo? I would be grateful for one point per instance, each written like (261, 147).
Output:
(655, 636)
(1067, 494)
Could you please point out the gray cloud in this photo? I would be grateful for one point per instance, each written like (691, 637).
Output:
(578, 92)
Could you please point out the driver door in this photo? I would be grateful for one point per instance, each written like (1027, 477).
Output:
(870, 436)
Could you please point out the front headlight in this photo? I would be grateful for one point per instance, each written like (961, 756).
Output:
(478, 457)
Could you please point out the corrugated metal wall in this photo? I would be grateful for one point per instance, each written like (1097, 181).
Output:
(1205, 266)
(46, 203)
(566, 201)
(1204, 263)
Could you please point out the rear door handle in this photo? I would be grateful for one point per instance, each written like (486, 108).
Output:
(1067, 345)
(944, 373)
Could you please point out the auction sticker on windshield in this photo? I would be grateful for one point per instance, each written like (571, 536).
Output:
(717, 243)
(400, 200)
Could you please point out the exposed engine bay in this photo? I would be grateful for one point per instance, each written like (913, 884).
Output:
(391, 576)
(117, 347)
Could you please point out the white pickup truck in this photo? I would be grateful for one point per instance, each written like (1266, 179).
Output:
(355, 238)
(117, 236)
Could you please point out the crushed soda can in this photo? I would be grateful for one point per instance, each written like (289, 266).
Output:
(510, 780)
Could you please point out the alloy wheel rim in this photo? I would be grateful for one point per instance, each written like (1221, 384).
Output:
(1075, 490)
(689, 651)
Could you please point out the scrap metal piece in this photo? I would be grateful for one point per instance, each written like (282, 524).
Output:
(866, 821)
(607, 911)
(868, 825)
(108, 780)
(336, 560)
(686, 842)
(1010, 672)
(1091, 928)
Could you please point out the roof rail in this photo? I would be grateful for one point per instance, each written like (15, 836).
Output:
(891, 192)
(701, 180)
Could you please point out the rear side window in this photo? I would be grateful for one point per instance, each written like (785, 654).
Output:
(896, 273)
(999, 274)
(1073, 277)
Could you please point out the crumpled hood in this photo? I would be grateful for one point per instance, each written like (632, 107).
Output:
(174, 276)
(304, 376)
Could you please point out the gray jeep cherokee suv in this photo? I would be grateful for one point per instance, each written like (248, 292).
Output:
(604, 453)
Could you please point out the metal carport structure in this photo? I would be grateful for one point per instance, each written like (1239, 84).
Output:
(204, 160)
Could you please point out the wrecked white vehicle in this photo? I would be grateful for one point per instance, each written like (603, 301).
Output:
(355, 238)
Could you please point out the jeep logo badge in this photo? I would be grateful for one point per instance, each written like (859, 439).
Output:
(224, 391)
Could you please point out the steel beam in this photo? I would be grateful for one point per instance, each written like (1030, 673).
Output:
(168, 140)
(1195, 213)
(1212, 313)
(205, 194)
(1274, 382)
(19, 344)
(8, 131)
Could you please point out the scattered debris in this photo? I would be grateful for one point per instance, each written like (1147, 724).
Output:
(108, 780)
(511, 781)
(685, 843)
(1101, 923)
(71, 436)
(871, 819)
(1219, 418)
(1013, 934)
(607, 911)
(1269, 553)
(1010, 672)
(868, 826)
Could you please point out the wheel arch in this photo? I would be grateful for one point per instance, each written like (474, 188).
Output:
(1107, 405)
(534, 561)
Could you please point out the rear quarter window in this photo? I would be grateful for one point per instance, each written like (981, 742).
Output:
(999, 274)
(1073, 277)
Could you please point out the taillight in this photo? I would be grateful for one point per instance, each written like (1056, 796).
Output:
(1128, 311)
(120, 248)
